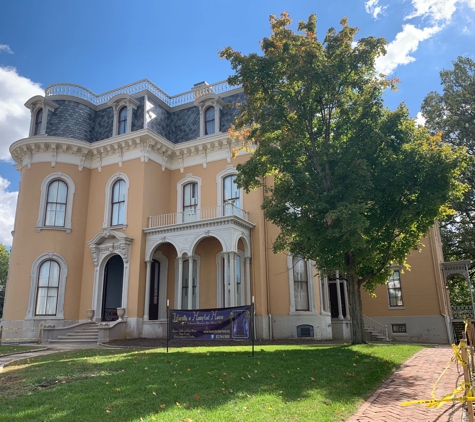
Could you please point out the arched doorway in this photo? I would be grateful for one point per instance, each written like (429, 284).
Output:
(112, 290)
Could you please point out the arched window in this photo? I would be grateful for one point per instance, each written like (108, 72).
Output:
(48, 287)
(118, 203)
(56, 203)
(231, 196)
(190, 202)
(122, 121)
(209, 121)
(38, 122)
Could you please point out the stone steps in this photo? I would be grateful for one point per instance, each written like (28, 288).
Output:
(89, 334)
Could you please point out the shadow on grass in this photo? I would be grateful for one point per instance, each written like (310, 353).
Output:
(201, 383)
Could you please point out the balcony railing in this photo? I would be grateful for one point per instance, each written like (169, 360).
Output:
(197, 214)
(142, 85)
(461, 312)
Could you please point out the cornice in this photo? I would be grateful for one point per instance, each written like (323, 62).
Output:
(143, 144)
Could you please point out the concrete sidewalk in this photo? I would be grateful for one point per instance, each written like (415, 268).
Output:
(414, 380)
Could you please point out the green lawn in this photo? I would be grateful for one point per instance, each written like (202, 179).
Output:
(6, 350)
(281, 383)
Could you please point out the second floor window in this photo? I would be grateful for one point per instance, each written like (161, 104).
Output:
(394, 290)
(209, 121)
(56, 203)
(118, 203)
(122, 121)
(38, 122)
(190, 201)
(231, 197)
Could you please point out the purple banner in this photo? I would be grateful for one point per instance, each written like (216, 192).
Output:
(210, 324)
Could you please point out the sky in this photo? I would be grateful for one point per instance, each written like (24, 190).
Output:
(105, 44)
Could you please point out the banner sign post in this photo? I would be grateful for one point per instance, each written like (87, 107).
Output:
(234, 323)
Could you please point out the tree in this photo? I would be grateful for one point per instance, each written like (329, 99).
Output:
(452, 116)
(351, 185)
(4, 259)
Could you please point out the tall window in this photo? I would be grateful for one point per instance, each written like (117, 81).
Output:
(122, 121)
(190, 201)
(300, 272)
(394, 290)
(56, 204)
(48, 286)
(231, 196)
(118, 203)
(209, 121)
(187, 287)
(38, 122)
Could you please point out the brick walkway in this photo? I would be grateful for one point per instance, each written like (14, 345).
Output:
(414, 381)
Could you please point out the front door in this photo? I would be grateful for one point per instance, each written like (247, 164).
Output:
(154, 290)
(112, 291)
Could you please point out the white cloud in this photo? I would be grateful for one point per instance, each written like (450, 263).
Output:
(437, 10)
(373, 8)
(406, 42)
(420, 119)
(6, 48)
(15, 90)
(7, 212)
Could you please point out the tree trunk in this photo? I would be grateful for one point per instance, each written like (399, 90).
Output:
(356, 309)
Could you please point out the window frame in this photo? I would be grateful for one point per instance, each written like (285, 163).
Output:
(206, 120)
(47, 288)
(44, 189)
(389, 289)
(38, 125)
(230, 170)
(189, 178)
(118, 103)
(34, 285)
(310, 287)
(107, 224)
(122, 122)
(56, 202)
(116, 205)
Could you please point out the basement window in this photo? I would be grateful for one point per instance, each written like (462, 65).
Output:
(305, 331)
(399, 328)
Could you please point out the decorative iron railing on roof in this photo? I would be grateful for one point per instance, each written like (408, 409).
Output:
(133, 88)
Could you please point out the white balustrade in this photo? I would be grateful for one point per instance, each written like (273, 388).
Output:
(200, 214)
(142, 85)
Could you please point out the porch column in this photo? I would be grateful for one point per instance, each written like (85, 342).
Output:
(338, 294)
(232, 273)
(247, 269)
(347, 307)
(180, 282)
(190, 282)
(147, 291)
(226, 278)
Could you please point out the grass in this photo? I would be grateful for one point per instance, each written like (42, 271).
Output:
(282, 383)
(7, 350)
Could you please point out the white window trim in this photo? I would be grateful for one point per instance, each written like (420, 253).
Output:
(117, 102)
(197, 258)
(35, 104)
(402, 307)
(189, 178)
(63, 273)
(205, 101)
(108, 205)
(311, 287)
(219, 267)
(162, 290)
(40, 224)
(230, 170)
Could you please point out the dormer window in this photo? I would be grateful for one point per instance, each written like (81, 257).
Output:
(39, 107)
(38, 122)
(209, 121)
(123, 106)
(122, 121)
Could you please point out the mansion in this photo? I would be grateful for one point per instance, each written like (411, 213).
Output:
(128, 205)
